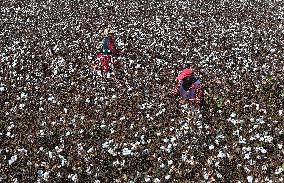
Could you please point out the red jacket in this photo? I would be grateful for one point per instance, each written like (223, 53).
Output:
(104, 61)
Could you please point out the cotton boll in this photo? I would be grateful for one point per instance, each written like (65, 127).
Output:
(50, 98)
(8, 134)
(205, 176)
(23, 95)
(22, 106)
(279, 170)
(234, 121)
(233, 115)
(221, 154)
(41, 132)
(216, 141)
(246, 148)
(263, 151)
(156, 180)
(255, 126)
(50, 154)
(183, 157)
(21, 150)
(167, 177)
(74, 177)
(105, 145)
(250, 179)
(211, 147)
(242, 140)
(90, 150)
(166, 140)
(173, 139)
(264, 167)
(10, 127)
(257, 136)
(126, 151)
(45, 176)
(237, 132)
(170, 162)
(40, 173)
(268, 139)
(247, 156)
(257, 107)
(272, 50)
(261, 121)
(13, 159)
(247, 169)
(147, 179)
(219, 175)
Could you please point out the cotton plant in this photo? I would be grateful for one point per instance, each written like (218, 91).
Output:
(268, 139)
(269, 77)
(281, 93)
(282, 166)
(261, 149)
(220, 102)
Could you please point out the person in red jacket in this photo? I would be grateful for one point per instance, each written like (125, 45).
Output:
(107, 51)
(188, 88)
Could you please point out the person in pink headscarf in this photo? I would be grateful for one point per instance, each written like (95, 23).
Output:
(188, 87)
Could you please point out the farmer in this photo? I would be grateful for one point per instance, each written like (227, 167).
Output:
(188, 87)
(107, 50)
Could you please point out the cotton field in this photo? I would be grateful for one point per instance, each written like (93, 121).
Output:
(61, 121)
